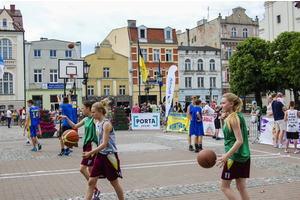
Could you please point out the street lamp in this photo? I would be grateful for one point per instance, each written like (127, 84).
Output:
(149, 84)
(160, 79)
(86, 68)
(210, 89)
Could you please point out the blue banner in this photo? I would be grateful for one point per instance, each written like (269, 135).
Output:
(55, 86)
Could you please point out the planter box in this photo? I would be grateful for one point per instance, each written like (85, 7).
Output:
(47, 135)
(125, 127)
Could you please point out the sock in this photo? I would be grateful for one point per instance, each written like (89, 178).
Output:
(200, 146)
(96, 188)
(67, 149)
(27, 139)
(196, 146)
(62, 150)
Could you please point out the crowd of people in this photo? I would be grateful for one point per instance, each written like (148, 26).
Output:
(13, 117)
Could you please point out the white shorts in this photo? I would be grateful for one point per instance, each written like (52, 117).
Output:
(280, 125)
(23, 116)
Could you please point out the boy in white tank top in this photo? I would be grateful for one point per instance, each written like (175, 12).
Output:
(291, 116)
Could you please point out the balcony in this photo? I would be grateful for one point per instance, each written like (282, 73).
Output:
(9, 63)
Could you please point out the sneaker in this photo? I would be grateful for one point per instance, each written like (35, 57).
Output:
(275, 145)
(217, 138)
(96, 195)
(33, 149)
(214, 136)
(286, 150)
(27, 143)
(39, 146)
(281, 146)
(197, 150)
(61, 153)
(296, 151)
(191, 148)
(67, 152)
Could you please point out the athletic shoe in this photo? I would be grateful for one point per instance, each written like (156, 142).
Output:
(217, 138)
(96, 195)
(39, 146)
(33, 149)
(281, 146)
(286, 150)
(197, 150)
(214, 136)
(191, 148)
(67, 152)
(27, 143)
(61, 153)
(296, 151)
(275, 145)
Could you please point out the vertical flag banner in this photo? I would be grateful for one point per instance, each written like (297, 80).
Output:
(170, 89)
(160, 83)
(1, 67)
(142, 65)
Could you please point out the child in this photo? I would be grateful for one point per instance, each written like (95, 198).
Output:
(217, 122)
(107, 163)
(197, 125)
(236, 161)
(291, 116)
(191, 129)
(90, 140)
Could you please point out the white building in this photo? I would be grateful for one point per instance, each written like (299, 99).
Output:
(41, 71)
(200, 73)
(279, 16)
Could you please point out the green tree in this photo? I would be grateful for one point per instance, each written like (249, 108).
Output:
(246, 68)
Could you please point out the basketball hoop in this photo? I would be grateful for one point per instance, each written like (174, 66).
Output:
(72, 76)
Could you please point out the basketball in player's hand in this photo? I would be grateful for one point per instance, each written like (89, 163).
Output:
(206, 158)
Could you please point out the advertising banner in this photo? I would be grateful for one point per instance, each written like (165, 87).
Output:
(171, 80)
(147, 121)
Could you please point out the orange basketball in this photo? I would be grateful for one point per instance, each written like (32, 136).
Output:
(70, 138)
(206, 158)
(71, 45)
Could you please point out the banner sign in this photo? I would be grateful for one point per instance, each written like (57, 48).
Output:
(145, 121)
(171, 80)
(268, 131)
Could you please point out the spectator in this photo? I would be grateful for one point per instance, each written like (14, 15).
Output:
(279, 97)
(163, 112)
(3, 117)
(15, 117)
(8, 117)
(154, 107)
(175, 107)
(144, 108)
(127, 111)
(136, 108)
(206, 109)
(217, 122)
(213, 104)
(149, 109)
(256, 111)
(269, 107)
(179, 108)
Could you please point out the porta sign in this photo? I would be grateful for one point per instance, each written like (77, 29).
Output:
(145, 121)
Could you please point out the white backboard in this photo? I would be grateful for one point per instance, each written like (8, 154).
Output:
(67, 67)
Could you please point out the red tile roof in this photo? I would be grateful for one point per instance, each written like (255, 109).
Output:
(17, 17)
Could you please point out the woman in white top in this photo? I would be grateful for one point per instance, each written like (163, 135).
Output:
(269, 107)
(8, 116)
(23, 117)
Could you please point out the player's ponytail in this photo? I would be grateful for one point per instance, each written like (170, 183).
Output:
(102, 105)
(237, 107)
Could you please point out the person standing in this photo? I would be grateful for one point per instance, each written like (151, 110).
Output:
(213, 105)
(135, 108)
(278, 110)
(256, 111)
(154, 107)
(217, 123)
(236, 160)
(23, 116)
(191, 129)
(144, 108)
(3, 117)
(197, 125)
(179, 108)
(206, 109)
(8, 117)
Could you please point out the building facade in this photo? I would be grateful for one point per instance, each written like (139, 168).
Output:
(158, 46)
(199, 73)
(279, 16)
(12, 88)
(108, 75)
(42, 75)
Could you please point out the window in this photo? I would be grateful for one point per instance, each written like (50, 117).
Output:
(156, 55)
(168, 35)
(181, 44)
(90, 90)
(37, 53)
(233, 32)
(195, 38)
(68, 54)
(245, 32)
(144, 54)
(53, 75)
(106, 90)
(4, 23)
(200, 64)
(212, 82)
(37, 73)
(6, 84)
(105, 72)
(6, 49)
(142, 33)
(2, 107)
(228, 52)
(187, 64)
(122, 89)
(212, 64)
(200, 81)
(278, 19)
(227, 77)
(188, 82)
(53, 53)
(168, 55)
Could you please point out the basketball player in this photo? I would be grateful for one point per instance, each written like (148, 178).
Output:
(90, 141)
(191, 130)
(107, 163)
(66, 108)
(33, 122)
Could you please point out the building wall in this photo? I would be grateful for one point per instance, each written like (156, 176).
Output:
(120, 36)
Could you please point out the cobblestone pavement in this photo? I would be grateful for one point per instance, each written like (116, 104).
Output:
(155, 165)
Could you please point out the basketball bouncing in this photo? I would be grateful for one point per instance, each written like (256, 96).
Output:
(71, 45)
(206, 158)
(70, 138)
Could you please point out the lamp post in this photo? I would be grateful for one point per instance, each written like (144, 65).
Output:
(160, 79)
(149, 84)
(86, 68)
(210, 90)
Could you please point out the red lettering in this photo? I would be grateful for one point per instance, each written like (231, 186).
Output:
(207, 119)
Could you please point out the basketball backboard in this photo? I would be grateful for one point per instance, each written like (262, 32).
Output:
(70, 67)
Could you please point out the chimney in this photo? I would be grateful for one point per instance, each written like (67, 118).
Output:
(97, 48)
(188, 36)
(12, 7)
(131, 23)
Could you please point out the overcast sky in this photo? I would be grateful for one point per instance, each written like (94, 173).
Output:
(91, 21)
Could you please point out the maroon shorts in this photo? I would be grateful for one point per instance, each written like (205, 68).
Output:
(107, 166)
(90, 160)
(235, 170)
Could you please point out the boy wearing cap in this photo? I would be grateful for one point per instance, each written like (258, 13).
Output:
(279, 97)
(256, 111)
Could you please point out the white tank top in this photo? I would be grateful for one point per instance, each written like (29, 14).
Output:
(269, 109)
(292, 121)
(111, 144)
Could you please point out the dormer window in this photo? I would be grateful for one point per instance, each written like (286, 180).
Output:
(168, 35)
(142, 33)
(4, 23)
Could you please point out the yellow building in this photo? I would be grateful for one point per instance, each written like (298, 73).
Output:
(108, 75)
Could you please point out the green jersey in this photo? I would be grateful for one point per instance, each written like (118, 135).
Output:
(243, 153)
(154, 108)
(90, 131)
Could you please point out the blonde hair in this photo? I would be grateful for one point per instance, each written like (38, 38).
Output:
(102, 105)
(217, 106)
(237, 107)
